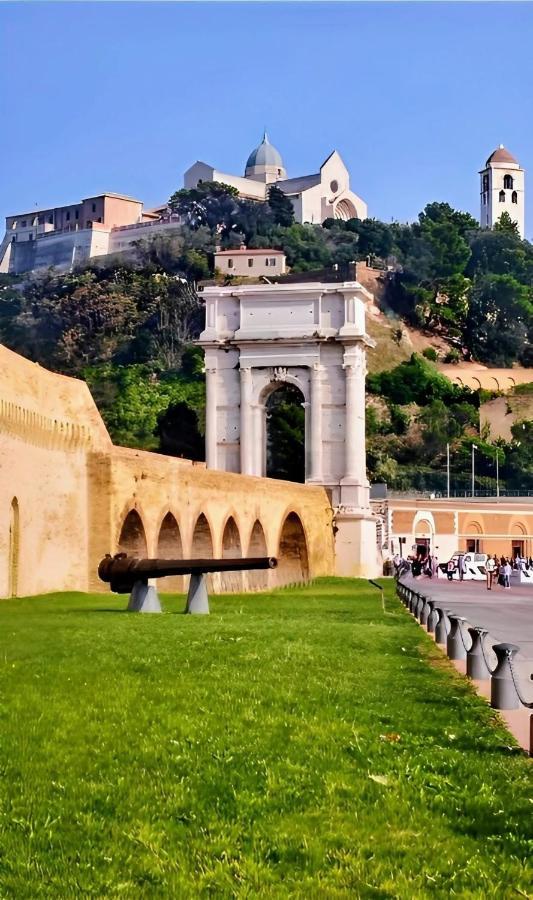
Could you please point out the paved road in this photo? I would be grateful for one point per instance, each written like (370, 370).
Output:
(506, 614)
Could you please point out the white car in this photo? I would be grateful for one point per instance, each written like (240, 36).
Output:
(474, 566)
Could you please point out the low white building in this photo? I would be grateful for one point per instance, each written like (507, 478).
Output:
(250, 263)
(323, 195)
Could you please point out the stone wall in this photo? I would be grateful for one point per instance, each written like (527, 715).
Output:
(68, 496)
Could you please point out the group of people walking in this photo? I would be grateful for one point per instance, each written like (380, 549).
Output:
(498, 569)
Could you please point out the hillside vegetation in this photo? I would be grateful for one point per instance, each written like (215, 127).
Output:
(126, 325)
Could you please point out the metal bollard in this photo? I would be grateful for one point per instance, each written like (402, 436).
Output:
(411, 601)
(416, 604)
(433, 617)
(476, 664)
(502, 690)
(455, 642)
(424, 612)
(443, 625)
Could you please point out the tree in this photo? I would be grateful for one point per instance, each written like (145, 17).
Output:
(210, 203)
(281, 206)
(506, 224)
(499, 318)
(178, 432)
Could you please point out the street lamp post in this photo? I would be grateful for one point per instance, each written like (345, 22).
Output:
(474, 448)
(497, 473)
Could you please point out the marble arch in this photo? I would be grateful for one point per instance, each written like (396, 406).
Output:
(311, 335)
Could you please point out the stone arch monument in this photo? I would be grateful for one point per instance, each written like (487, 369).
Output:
(310, 335)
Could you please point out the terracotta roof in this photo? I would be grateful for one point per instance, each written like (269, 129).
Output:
(501, 155)
(252, 252)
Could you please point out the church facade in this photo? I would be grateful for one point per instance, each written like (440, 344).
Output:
(326, 194)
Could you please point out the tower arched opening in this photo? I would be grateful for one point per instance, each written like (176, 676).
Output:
(132, 538)
(285, 433)
(169, 546)
(231, 582)
(293, 559)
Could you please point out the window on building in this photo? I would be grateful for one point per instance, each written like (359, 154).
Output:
(23, 224)
(272, 260)
(14, 224)
(50, 220)
(473, 545)
(517, 548)
(250, 262)
(230, 264)
(94, 207)
(30, 237)
(514, 197)
(508, 182)
(67, 217)
(485, 183)
(14, 238)
(502, 196)
(40, 220)
(77, 214)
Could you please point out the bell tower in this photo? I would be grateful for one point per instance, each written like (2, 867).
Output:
(502, 190)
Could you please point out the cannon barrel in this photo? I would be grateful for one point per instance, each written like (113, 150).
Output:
(122, 571)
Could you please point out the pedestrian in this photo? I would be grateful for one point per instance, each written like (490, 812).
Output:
(490, 569)
(507, 574)
(450, 569)
(462, 567)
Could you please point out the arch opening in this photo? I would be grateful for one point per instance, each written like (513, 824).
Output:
(231, 582)
(345, 210)
(169, 546)
(285, 433)
(293, 560)
(202, 548)
(257, 580)
(14, 549)
(132, 538)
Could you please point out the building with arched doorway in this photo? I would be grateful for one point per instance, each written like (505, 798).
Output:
(323, 195)
(501, 526)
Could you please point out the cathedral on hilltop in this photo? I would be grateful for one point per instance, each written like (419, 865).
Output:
(502, 189)
(323, 195)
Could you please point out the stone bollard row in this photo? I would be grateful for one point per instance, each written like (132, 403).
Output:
(466, 643)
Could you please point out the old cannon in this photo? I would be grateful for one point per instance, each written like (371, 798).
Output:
(127, 574)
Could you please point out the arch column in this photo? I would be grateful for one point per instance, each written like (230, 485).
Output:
(315, 457)
(247, 421)
(211, 376)
(354, 433)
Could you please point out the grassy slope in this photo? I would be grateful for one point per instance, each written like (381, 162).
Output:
(172, 756)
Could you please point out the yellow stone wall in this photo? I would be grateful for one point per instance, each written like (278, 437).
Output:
(66, 490)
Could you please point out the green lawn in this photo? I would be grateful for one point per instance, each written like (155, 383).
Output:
(301, 743)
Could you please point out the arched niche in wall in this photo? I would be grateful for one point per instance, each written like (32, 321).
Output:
(14, 549)
(293, 559)
(169, 546)
(257, 579)
(202, 547)
(231, 582)
(132, 538)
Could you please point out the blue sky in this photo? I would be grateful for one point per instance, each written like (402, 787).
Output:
(125, 96)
